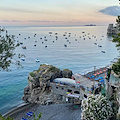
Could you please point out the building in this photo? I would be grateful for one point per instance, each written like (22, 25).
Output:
(112, 29)
(72, 91)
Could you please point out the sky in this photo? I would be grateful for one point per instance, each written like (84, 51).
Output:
(56, 12)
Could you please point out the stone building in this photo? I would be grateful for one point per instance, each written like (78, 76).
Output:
(67, 90)
(112, 29)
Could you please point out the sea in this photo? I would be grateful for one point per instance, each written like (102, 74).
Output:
(78, 48)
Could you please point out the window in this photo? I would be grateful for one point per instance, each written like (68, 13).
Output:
(69, 90)
(56, 87)
(85, 96)
(62, 88)
(77, 92)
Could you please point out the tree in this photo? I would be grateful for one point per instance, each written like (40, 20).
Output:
(116, 67)
(96, 108)
(116, 39)
(38, 116)
(7, 48)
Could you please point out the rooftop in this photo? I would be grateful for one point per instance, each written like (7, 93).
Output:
(65, 80)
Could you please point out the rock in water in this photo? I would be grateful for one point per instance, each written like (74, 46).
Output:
(39, 83)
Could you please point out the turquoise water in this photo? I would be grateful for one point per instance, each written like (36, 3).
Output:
(80, 55)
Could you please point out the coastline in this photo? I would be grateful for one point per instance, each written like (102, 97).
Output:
(18, 109)
(24, 106)
(83, 59)
(49, 112)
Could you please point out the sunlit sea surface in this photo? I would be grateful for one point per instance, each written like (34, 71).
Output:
(80, 55)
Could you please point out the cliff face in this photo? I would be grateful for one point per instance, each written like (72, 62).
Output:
(38, 89)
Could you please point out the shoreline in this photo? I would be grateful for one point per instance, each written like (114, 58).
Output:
(49, 112)
(18, 109)
(24, 105)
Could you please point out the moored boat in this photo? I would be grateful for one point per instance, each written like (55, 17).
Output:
(37, 60)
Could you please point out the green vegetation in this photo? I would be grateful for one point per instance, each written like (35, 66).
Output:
(116, 67)
(118, 21)
(7, 47)
(2, 118)
(96, 108)
(116, 39)
(30, 80)
(66, 70)
(52, 69)
(32, 74)
(114, 105)
(38, 116)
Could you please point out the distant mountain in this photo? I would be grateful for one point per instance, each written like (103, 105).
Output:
(112, 10)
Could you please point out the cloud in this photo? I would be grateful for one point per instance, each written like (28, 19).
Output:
(11, 21)
(10, 9)
(34, 21)
(112, 10)
(42, 21)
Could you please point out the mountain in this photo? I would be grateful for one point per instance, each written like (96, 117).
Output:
(112, 10)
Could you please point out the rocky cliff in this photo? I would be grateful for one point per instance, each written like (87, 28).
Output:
(38, 89)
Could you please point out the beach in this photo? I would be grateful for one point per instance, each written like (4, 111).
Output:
(50, 112)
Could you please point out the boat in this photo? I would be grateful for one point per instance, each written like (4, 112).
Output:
(103, 51)
(67, 40)
(37, 60)
(24, 47)
(65, 45)
(50, 32)
(99, 46)
(23, 59)
(21, 43)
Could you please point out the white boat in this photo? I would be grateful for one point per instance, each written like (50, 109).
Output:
(24, 47)
(23, 59)
(37, 60)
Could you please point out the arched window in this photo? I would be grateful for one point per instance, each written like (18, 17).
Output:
(77, 92)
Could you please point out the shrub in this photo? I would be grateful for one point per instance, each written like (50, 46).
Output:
(96, 108)
(32, 74)
(66, 70)
(52, 69)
